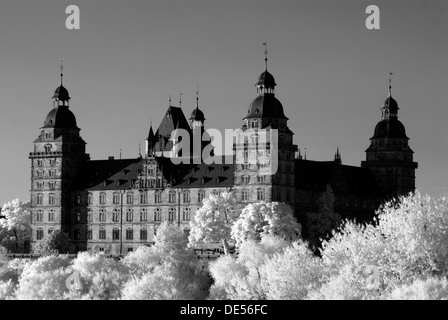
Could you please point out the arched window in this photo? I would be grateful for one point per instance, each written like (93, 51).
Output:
(186, 214)
(244, 195)
(157, 197)
(89, 198)
(39, 215)
(39, 198)
(143, 215)
(116, 198)
(78, 216)
(171, 212)
(129, 198)
(260, 194)
(143, 197)
(172, 196)
(102, 215)
(129, 215)
(201, 195)
(116, 215)
(157, 214)
(51, 198)
(102, 198)
(186, 196)
(39, 234)
(89, 215)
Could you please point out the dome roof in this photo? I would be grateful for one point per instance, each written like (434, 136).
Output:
(197, 115)
(391, 104)
(266, 106)
(60, 117)
(61, 94)
(390, 128)
(266, 79)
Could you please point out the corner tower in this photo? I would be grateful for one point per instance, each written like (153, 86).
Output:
(389, 157)
(58, 153)
(264, 114)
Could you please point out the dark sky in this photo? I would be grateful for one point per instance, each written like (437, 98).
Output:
(120, 66)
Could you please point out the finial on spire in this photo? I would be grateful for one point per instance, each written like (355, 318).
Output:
(337, 156)
(171, 91)
(62, 68)
(390, 84)
(139, 150)
(180, 100)
(197, 96)
(265, 55)
(120, 153)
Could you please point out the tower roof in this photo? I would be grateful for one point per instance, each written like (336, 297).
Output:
(390, 128)
(60, 117)
(197, 115)
(61, 94)
(266, 80)
(265, 106)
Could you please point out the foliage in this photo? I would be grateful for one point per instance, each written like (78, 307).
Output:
(214, 220)
(44, 279)
(433, 288)
(292, 274)
(319, 225)
(263, 218)
(53, 243)
(15, 226)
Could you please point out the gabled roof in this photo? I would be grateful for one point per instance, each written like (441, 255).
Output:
(173, 119)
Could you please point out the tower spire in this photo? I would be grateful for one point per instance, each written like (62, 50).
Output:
(62, 68)
(180, 100)
(265, 56)
(197, 96)
(169, 102)
(390, 84)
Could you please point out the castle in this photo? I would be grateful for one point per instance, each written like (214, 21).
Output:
(115, 205)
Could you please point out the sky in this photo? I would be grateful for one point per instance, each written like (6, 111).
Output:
(121, 65)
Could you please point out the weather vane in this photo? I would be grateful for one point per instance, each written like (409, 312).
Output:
(265, 55)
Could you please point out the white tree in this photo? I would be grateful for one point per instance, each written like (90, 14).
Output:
(212, 223)
(265, 218)
(16, 221)
(292, 274)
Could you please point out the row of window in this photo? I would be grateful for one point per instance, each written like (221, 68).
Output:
(129, 215)
(116, 197)
(51, 199)
(260, 194)
(42, 162)
(51, 185)
(43, 173)
(101, 234)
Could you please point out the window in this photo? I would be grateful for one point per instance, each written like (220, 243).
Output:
(157, 197)
(129, 215)
(157, 214)
(261, 179)
(143, 197)
(129, 198)
(89, 198)
(115, 234)
(78, 216)
(89, 215)
(150, 171)
(89, 234)
(51, 185)
(260, 194)
(115, 215)
(130, 249)
(186, 196)
(52, 173)
(40, 173)
(39, 185)
(244, 195)
(245, 179)
(47, 147)
(39, 234)
(40, 162)
(102, 234)
(51, 215)
(50, 231)
(101, 249)
(39, 215)
(77, 234)
(40, 198)
(172, 197)
(102, 198)
(52, 162)
(186, 214)
(116, 198)
(129, 234)
(143, 234)
(201, 195)
(102, 215)
(171, 212)
(51, 198)
(143, 215)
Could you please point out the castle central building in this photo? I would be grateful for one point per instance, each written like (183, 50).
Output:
(115, 205)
